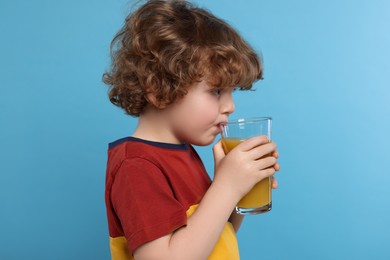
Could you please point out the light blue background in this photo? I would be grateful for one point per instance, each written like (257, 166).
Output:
(326, 86)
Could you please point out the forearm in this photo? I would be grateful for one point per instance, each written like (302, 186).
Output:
(198, 238)
(205, 226)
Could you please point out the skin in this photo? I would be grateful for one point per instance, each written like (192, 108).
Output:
(197, 119)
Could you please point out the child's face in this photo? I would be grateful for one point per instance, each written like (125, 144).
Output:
(197, 117)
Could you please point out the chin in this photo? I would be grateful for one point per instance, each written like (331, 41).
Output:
(204, 142)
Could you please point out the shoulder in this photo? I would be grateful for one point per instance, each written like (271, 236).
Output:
(133, 146)
(129, 149)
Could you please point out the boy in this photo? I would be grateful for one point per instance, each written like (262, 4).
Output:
(175, 67)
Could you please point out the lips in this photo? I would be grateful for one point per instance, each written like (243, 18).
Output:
(220, 126)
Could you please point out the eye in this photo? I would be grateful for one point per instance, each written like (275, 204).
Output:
(216, 92)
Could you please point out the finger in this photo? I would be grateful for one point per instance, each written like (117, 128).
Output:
(266, 173)
(277, 167)
(218, 152)
(253, 142)
(266, 162)
(275, 154)
(274, 183)
(265, 150)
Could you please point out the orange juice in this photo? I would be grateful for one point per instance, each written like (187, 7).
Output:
(260, 194)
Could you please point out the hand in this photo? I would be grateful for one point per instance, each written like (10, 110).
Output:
(274, 183)
(245, 165)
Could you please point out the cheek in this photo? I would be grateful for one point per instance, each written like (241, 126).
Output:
(197, 110)
(205, 111)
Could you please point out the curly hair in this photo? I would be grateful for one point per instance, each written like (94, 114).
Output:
(166, 46)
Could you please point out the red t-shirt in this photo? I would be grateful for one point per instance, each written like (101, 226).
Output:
(149, 188)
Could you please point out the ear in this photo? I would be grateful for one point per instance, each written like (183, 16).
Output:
(151, 97)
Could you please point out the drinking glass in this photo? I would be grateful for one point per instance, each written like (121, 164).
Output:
(259, 198)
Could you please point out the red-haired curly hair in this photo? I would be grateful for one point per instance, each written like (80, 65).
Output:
(166, 46)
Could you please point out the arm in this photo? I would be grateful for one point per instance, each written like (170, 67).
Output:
(198, 238)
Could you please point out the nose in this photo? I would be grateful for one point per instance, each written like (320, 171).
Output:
(227, 104)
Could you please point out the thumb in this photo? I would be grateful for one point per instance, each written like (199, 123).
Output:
(218, 152)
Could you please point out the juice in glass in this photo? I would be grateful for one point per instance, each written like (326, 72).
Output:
(259, 198)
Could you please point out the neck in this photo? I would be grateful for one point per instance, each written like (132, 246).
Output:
(154, 126)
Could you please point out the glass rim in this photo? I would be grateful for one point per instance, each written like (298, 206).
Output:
(248, 120)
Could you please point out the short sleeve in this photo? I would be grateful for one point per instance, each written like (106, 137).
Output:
(144, 202)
